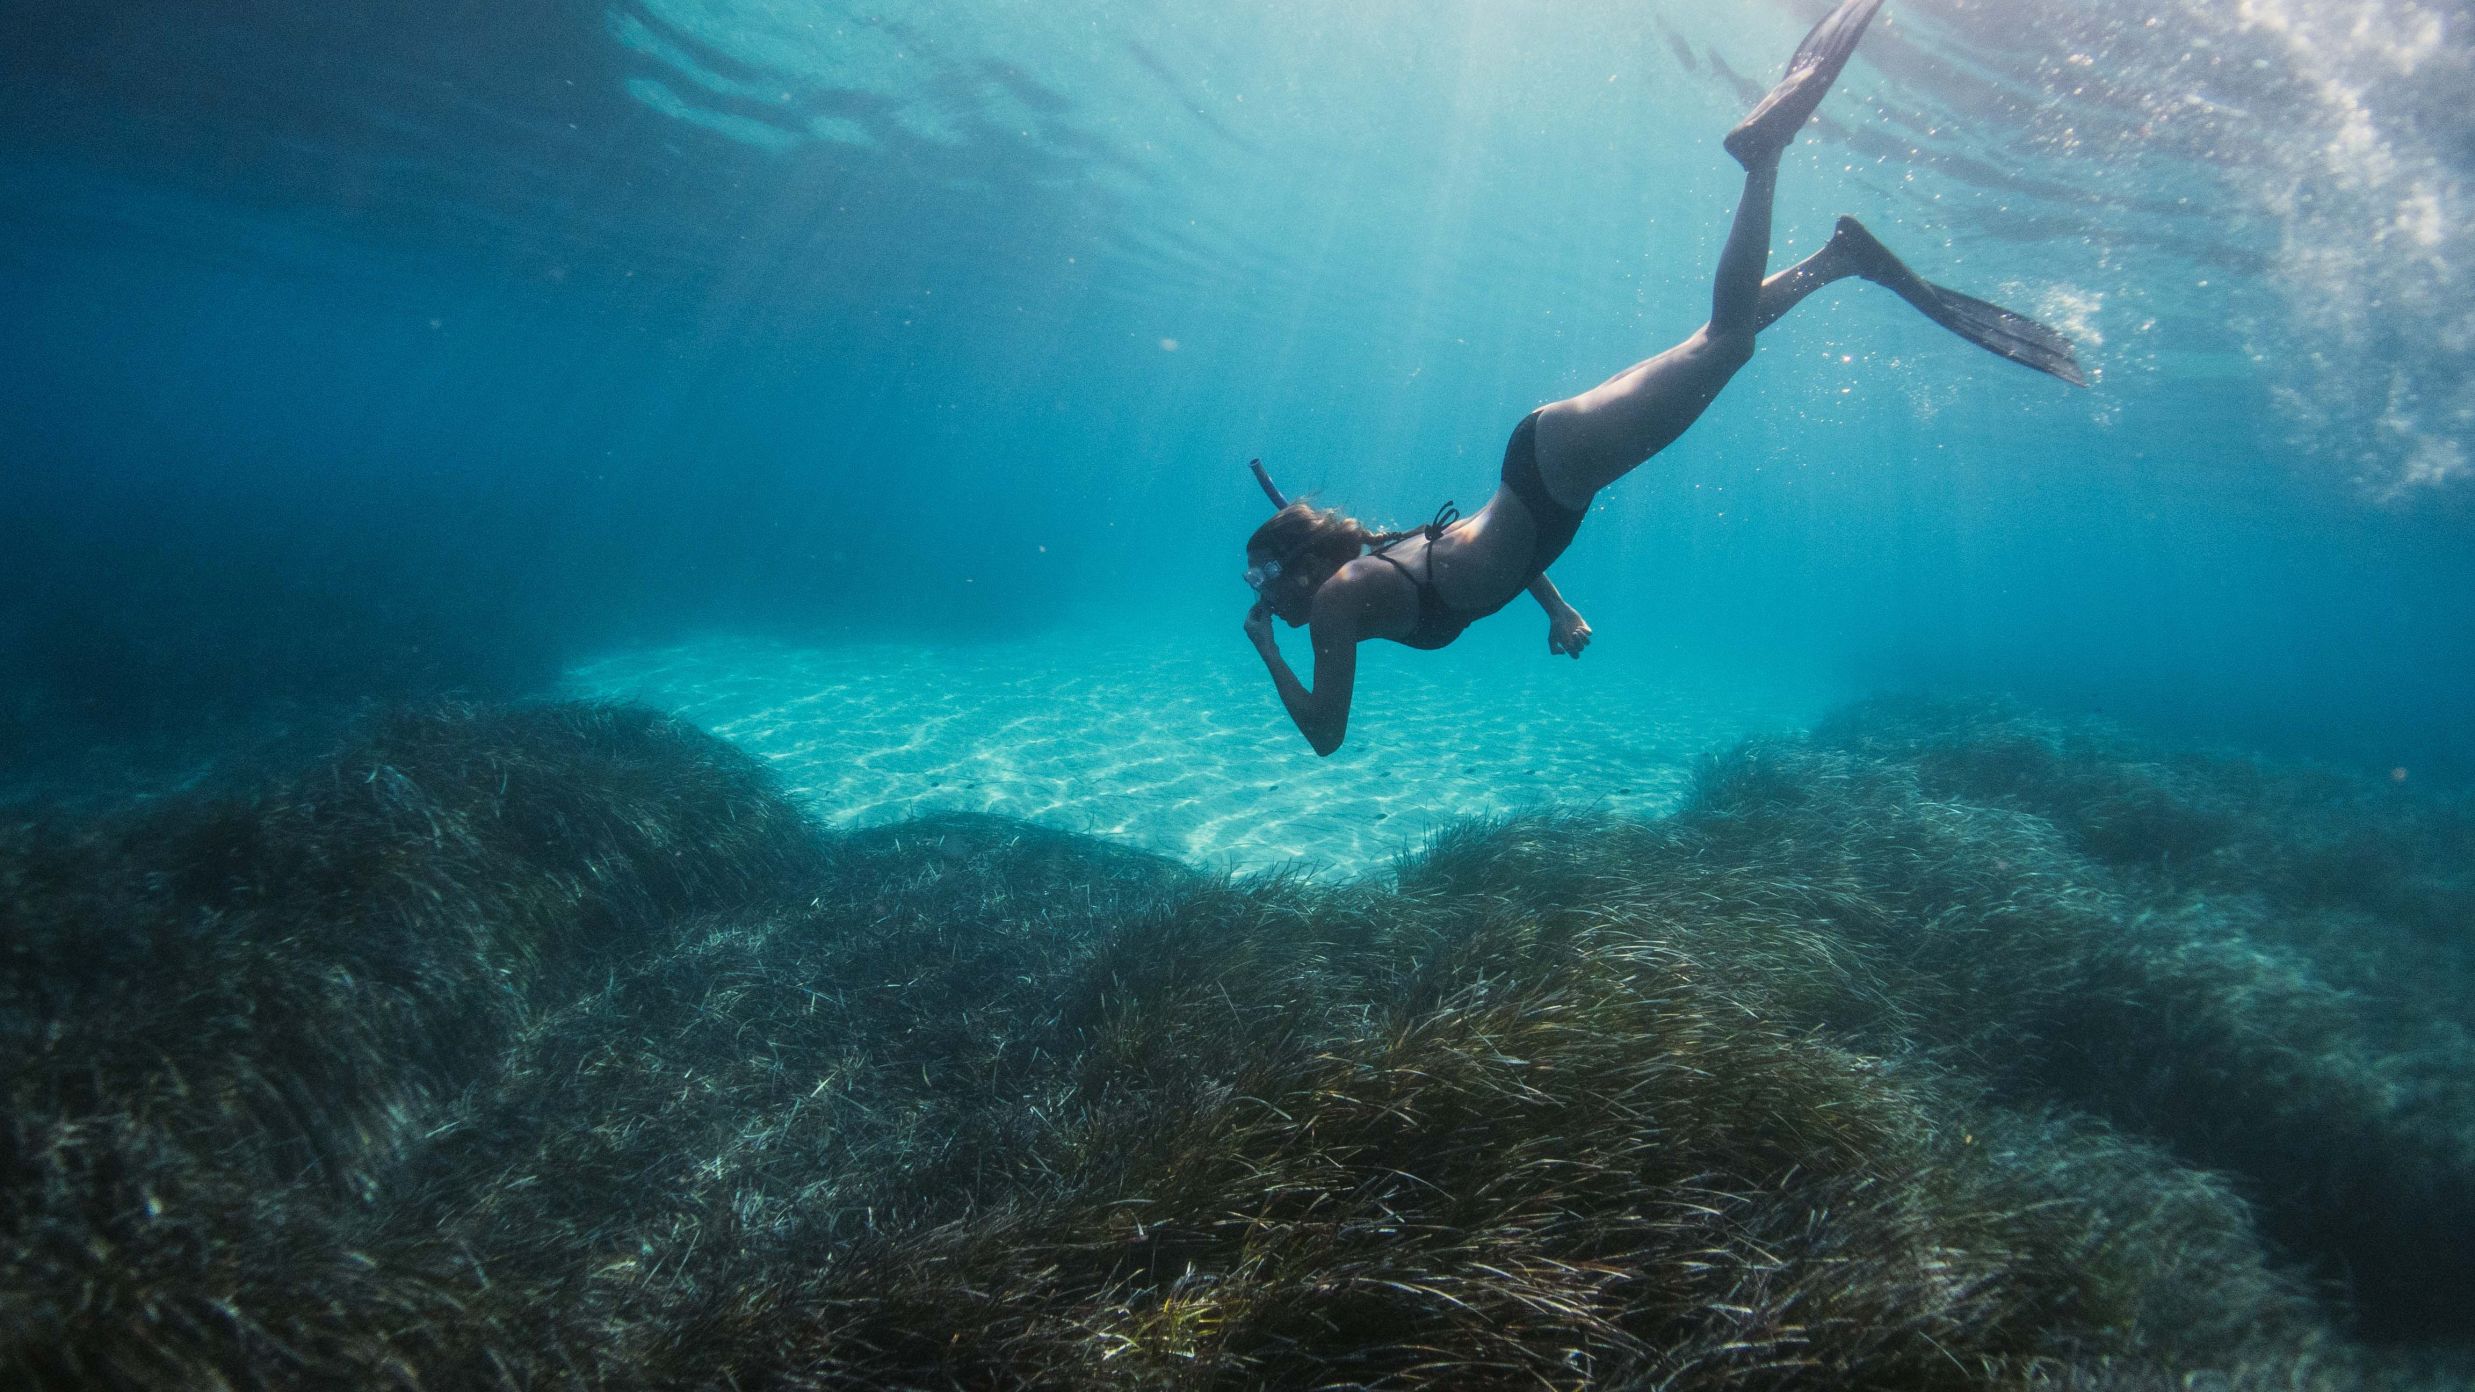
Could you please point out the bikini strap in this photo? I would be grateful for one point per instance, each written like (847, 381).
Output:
(1445, 516)
(1395, 562)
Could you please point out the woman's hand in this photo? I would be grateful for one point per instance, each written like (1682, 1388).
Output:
(1259, 625)
(1568, 632)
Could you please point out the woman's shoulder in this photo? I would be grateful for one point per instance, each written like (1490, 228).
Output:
(1372, 587)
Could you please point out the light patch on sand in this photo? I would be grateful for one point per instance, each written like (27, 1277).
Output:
(1184, 750)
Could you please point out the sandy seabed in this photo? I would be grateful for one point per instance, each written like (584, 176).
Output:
(1184, 749)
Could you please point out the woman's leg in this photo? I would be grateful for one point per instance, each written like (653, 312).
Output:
(1589, 441)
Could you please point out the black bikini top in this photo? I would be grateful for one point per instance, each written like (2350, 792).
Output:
(1438, 622)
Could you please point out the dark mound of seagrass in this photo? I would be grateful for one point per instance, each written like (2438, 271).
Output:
(2250, 965)
(2307, 841)
(549, 1047)
(230, 1024)
(2306, 943)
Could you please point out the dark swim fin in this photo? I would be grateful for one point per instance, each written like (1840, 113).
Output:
(1989, 326)
(1998, 330)
(1772, 125)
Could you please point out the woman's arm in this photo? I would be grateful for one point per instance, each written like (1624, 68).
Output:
(1567, 631)
(1322, 713)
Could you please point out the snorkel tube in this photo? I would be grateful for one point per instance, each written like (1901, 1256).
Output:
(1270, 490)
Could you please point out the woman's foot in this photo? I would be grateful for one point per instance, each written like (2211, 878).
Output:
(1855, 251)
(1766, 133)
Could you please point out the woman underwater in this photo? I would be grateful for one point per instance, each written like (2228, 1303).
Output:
(1317, 568)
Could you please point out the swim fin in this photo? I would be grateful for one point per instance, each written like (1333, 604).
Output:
(1989, 326)
(1772, 125)
(1998, 330)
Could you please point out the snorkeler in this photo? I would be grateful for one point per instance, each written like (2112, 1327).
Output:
(1315, 567)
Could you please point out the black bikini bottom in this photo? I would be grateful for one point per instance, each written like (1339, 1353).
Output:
(1555, 522)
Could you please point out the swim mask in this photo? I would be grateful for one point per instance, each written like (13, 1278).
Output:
(1263, 575)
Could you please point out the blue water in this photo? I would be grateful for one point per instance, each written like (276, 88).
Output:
(369, 351)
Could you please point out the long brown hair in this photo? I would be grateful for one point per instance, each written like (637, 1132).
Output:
(1299, 531)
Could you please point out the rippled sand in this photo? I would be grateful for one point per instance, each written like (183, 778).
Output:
(1185, 750)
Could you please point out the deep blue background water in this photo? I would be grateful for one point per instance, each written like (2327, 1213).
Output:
(373, 350)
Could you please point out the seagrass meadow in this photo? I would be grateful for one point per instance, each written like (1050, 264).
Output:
(1943, 1046)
